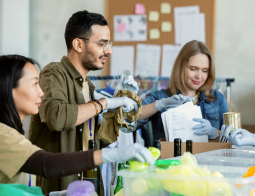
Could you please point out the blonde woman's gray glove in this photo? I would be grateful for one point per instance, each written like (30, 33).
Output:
(172, 102)
(133, 152)
(205, 128)
(126, 103)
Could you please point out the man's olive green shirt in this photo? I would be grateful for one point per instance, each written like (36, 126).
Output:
(53, 129)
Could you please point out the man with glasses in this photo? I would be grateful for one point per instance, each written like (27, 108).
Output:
(67, 116)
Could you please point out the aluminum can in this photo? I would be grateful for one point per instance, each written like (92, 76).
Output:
(232, 118)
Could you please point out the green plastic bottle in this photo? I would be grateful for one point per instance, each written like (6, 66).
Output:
(119, 179)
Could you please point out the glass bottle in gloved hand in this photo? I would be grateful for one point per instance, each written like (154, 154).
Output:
(131, 125)
(93, 174)
(119, 185)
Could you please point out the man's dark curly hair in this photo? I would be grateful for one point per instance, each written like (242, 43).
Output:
(79, 25)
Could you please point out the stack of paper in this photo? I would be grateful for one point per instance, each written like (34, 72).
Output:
(178, 123)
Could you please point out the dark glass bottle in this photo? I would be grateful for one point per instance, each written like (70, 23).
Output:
(177, 147)
(157, 145)
(189, 146)
(93, 175)
(119, 179)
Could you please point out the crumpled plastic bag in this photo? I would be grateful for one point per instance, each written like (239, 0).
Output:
(189, 167)
(20, 190)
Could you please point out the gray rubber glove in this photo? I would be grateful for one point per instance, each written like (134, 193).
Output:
(205, 128)
(133, 152)
(130, 80)
(172, 102)
(126, 103)
(238, 137)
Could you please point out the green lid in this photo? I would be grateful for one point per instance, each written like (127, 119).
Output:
(166, 163)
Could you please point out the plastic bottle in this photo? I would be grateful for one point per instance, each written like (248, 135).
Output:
(131, 125)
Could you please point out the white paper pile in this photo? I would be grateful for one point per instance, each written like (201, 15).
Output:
(178, 123)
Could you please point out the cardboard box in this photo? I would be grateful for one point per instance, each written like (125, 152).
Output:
(167, 148)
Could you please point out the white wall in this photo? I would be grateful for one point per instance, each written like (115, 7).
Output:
(48, 21)
(235, 52)
(15, 27)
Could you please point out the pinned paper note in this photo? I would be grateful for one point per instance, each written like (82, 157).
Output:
(139, 8)
(154, 16)
(147, 60)
(118, 54)
(169, 54)
(166, 26)
(165, 8)
(130, 27)
(154, 34)
(121, 27)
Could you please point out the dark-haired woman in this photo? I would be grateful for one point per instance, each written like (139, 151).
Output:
(20, 95)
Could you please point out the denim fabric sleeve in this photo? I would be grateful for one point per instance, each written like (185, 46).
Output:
(150, 98)
(222, 105)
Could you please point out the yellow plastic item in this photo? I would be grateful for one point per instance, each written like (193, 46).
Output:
(136, 165)
(155, 152)
(139, 186)
(120, 193)
(190, 167)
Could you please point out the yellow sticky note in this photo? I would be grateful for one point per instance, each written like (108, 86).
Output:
(166, 26)
(154, 34)
(154, 16)
(165, 8)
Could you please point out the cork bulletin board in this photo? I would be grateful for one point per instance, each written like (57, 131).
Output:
(127, 7)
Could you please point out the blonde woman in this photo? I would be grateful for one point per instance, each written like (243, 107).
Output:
(192, 79)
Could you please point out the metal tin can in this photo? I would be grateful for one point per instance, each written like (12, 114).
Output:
(232, 118)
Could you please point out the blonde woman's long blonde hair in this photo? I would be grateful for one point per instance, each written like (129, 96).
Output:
(178, 73)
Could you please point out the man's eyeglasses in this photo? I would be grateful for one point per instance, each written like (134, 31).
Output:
(102, 44)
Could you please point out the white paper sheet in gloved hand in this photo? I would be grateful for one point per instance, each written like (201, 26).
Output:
(178, 123)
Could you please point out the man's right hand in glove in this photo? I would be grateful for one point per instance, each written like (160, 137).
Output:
(126, 103)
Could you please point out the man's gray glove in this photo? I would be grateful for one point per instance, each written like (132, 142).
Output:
(126, 103)
(172, 102)
(133, 152)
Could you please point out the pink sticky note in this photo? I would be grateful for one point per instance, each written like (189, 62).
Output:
(121, 27)
(139, 8)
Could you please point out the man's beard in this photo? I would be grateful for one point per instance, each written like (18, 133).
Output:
(89, 60)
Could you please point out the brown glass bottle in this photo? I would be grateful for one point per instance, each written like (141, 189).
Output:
(93, 175)
(189, 146)
(177, 147)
